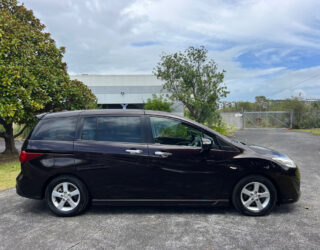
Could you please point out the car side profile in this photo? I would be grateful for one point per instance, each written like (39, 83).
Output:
(133, 157)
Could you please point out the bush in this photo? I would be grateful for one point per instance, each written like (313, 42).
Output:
(223, 129)
(215, 123)
(158, 103)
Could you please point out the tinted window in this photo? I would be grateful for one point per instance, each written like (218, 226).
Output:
(89, 129)
(226, 146)
(62, 129)
(173, 132)
(119, 129)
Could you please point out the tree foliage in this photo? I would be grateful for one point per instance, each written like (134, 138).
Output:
(33, 77)
(262, 102)
(79, 96)
(158, 103)
(194, 80)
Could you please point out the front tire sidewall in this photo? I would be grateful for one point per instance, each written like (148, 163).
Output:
(83, 196)
(236, 196)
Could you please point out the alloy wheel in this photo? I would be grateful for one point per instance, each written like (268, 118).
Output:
(255, 196)
(65, 196)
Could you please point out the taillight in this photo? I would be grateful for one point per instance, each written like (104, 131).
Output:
(27, 156)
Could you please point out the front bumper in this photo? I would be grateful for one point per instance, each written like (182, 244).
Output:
(289, 186)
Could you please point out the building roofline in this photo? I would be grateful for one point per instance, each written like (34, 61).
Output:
(118, 75)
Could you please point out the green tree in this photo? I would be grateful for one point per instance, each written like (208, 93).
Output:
(193, 80)
(245, 106)
(33, 77)
(262, 102)
(300, 111)
(78, 96)
(241, 107)
(158, 103)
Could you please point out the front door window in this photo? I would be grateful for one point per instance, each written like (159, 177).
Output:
(173, 132)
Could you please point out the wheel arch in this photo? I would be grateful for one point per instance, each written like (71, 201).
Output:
(269, 177)
(45, 185)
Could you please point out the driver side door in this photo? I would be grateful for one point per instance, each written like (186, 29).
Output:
(182, 169)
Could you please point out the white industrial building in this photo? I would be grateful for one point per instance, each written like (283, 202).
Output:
(125, 91)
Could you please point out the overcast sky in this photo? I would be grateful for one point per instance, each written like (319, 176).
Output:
(267, 47)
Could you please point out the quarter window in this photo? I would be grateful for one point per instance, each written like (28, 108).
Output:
(174, 132)
(61, 129)
(226, 146)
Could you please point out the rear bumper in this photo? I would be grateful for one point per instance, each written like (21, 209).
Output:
(27, 188)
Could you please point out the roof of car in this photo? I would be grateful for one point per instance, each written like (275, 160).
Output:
(114, 112)
(104, 111)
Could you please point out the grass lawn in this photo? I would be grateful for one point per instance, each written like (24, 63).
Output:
(8, 173)
(315, 131)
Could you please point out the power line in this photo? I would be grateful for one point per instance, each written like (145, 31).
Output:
(297, 84)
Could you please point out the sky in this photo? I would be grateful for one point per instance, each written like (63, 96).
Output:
(267, 47)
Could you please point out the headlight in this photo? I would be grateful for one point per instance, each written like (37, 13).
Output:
(285, 161)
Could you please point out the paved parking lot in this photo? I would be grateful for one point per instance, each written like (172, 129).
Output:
(28, 224)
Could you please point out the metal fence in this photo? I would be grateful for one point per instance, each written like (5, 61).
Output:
(273, 119)
(267, 119)
(307, 119)
(232, 119)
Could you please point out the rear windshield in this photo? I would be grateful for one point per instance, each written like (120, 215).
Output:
(61, 129)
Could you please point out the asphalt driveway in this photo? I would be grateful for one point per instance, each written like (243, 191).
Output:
(28, 224)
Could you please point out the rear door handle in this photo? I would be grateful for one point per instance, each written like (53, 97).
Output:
(162, 154)
(134, 151)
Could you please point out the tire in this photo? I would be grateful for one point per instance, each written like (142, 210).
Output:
(254, 195)
(66, 196)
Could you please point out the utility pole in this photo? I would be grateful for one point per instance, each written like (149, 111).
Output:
(291, 118)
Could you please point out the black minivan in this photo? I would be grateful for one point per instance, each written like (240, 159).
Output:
(133, 157)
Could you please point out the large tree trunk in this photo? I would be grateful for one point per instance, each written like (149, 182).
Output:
(9, 140)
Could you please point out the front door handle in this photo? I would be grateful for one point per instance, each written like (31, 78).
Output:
(162, 154)
(134, 151)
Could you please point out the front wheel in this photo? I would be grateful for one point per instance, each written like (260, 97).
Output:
(66, 196)
(254, 195)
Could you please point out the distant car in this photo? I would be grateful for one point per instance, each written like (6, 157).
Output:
(134, 157)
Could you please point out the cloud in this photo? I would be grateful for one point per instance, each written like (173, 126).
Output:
(287, 21)
(264, 45)
(144, 43)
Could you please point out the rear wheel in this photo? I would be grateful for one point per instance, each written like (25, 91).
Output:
(254, 195)
(66, 196)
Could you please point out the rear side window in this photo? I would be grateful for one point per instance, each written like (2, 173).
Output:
(113, 128)
(119, 129)
(60, 129)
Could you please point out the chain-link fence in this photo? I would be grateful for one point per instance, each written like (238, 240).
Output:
(308, 119)
(268, 119)
(273, 119)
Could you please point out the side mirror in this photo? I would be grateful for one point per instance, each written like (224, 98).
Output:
(206, 143)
